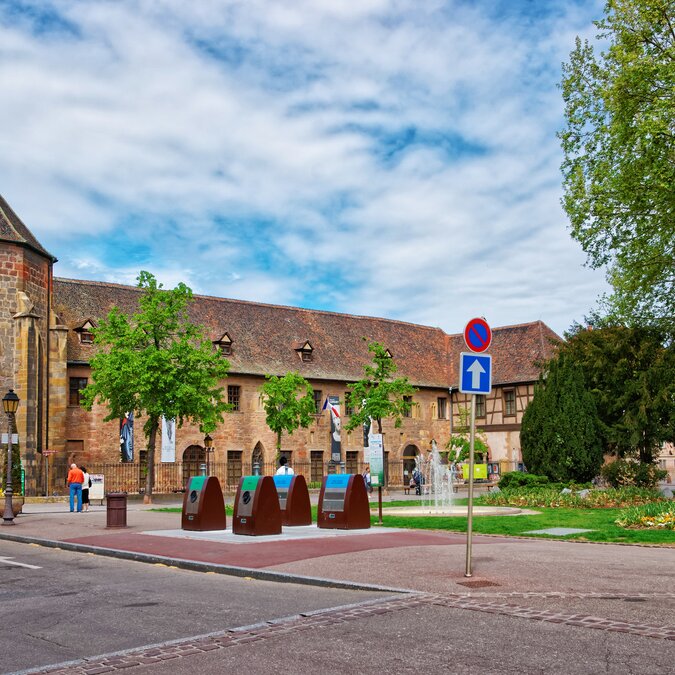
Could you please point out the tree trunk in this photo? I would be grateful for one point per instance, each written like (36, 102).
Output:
(150, 459)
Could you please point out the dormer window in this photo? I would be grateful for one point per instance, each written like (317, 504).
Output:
(305, 352)
(388, 354)
(224, 344)
(86, 332)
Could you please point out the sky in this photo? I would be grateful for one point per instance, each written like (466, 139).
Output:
(392, 158)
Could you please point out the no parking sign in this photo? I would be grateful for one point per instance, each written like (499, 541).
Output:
(477, 335)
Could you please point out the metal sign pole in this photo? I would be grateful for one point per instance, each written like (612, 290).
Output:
(469, 521)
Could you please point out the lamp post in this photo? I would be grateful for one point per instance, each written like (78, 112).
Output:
(208, 446)
(10, 403)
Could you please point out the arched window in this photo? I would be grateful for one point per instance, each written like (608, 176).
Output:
(258, 457)
(409, 454)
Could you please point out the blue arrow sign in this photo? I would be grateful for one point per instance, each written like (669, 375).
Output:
(475, 373)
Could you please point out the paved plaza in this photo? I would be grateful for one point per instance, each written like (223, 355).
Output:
(606, 603)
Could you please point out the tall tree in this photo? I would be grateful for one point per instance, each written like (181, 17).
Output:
(156, 363)
(560, 436)
(288, 402)
(379, 394)
(619, 164)
(631, 373)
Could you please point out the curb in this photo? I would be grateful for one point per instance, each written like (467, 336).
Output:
(198, 566)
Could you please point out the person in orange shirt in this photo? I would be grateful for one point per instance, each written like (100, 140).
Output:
(75, 480)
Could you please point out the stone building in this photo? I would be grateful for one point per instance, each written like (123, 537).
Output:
(46, 343)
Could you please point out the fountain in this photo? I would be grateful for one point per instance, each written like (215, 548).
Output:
(438, 480)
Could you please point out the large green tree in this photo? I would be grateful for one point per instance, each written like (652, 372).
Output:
(156, 363)
(560, 436)
(379, 394)
(619, 156)
(288, 402)
(631, 373)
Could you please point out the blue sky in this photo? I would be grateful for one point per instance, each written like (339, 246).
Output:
(392, 158)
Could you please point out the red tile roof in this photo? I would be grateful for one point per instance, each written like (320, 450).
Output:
(265, 337)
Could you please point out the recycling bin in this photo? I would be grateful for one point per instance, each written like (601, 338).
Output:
(203, 505)
(294, 502)
(343, 503)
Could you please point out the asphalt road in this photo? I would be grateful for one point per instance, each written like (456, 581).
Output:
(78, 605)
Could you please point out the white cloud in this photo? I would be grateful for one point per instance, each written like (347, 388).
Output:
(247, 148)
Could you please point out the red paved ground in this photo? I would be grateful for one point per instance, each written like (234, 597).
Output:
(259, 555)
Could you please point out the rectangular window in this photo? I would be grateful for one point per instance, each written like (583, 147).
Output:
(349, 409)
(316, 466)
(442, 407)
(352, 462)
(77, 384)
(317, 401)
(509, 403)
(233, 396)
(234, 467)
(480, 405)
(408, 412)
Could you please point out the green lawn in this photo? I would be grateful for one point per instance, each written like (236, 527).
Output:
(601, 521)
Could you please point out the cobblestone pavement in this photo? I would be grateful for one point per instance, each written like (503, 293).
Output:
(491, 604)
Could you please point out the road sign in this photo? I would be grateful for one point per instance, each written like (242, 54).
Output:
(475, 373)
(477, 335)
(48, 452)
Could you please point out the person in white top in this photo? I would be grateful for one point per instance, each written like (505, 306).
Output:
(284, 469)
(85, 490)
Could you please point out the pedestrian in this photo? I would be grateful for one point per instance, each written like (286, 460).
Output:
(75, 480)
(417, 480)
(366, 478)
(86, 484)
(284, 469)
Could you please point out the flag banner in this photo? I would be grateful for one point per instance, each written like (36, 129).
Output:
(333, 405)
(127, 437)
(168, 440)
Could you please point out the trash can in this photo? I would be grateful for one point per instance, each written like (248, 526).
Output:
(116, 513)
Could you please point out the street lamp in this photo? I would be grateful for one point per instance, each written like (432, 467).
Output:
(10, 403)
(208, 445)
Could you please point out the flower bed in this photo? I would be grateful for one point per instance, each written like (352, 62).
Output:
(655, 516)
(594, 499)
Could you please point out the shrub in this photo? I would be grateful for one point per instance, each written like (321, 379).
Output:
(630, 472)
(515, 479)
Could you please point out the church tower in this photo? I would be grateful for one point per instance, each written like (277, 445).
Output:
(26, 270)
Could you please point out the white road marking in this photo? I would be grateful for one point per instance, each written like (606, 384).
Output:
(9, 561)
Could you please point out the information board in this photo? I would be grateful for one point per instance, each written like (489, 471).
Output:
(376, 460)
(97, 489)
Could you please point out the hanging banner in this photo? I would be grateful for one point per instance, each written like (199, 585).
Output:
(333, 405)
(127, 437)
(375, 454)
(168, 440)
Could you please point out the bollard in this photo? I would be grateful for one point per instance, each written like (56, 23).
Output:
(116, 512)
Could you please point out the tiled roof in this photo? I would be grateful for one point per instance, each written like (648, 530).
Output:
(12, 229)
(265, 337)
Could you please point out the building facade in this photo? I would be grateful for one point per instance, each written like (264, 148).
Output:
(46, 344)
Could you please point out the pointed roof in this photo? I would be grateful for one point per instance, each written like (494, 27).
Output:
(12, 229)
